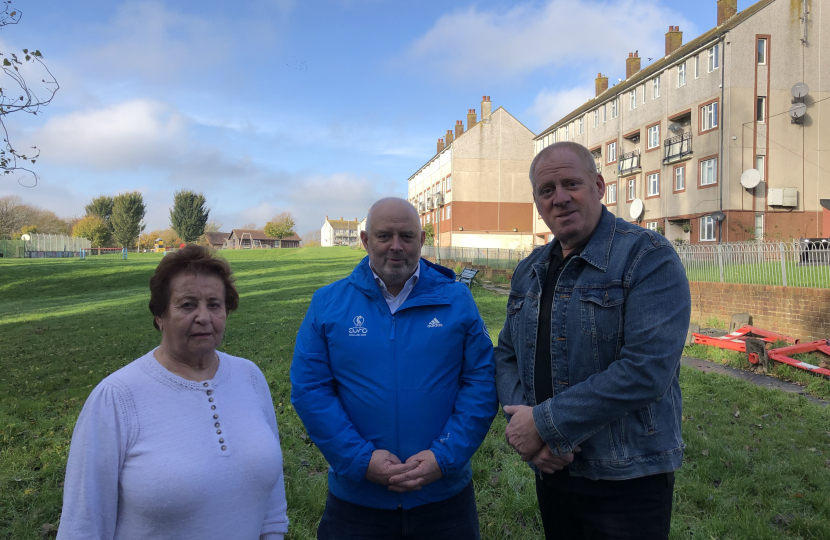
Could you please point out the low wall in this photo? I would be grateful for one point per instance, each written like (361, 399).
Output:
(486, 271)
(799, 312)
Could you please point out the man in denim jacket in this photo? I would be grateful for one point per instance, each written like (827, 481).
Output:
(588, 360)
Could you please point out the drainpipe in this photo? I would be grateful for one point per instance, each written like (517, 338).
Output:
(722, 127)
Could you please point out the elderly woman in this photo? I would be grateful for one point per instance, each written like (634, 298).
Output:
(181, 443)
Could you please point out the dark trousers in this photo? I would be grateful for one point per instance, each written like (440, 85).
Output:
(455, 518)
(638, 509)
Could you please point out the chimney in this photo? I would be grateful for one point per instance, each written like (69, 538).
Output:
(674, 39)
(726, 10)
(440, 146)
(602, 83)
(486, 107)
(472, 119)
(448, 137)
(459, 128)
(341, 218)
(632, 65)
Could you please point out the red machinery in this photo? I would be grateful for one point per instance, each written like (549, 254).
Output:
(736, 341)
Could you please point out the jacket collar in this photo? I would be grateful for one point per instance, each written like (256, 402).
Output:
(598, 250)
(426, 291)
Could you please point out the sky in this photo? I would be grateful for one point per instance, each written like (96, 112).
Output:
(317, 107)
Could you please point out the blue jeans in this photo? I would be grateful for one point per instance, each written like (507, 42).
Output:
(455, 518)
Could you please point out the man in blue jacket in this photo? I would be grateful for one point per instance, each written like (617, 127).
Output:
(393, 378)
(588, 361)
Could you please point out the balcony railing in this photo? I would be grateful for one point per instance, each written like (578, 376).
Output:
(630, 163)
(421, 207)
(439, 199)
(677, 148)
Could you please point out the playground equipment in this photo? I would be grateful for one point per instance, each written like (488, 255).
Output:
(159, 245)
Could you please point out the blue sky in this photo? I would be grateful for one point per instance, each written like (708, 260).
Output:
(316, 107)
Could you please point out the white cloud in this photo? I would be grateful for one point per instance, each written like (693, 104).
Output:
(470, 43)
(122, 136)
(550, 106)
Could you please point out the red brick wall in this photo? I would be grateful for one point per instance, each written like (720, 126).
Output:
(799, 312)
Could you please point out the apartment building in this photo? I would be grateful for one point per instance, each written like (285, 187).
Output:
(475, 190)
(678, 141)
(339, 232)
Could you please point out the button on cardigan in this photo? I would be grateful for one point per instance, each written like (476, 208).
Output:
(148, 459)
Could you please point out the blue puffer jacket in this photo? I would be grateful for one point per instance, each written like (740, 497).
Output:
(364, 379)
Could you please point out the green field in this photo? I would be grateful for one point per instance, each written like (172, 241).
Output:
(757, 463)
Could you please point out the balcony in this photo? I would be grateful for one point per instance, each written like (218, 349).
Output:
(421, 207)
(630, 163)
(439, 199)
(430, 203)
(677, 148)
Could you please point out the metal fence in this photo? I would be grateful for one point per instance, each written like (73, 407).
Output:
(506, 259)
(789, 264)
(42, 243)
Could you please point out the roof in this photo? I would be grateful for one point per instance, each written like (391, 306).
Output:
(259, 235)
(342, 223)
(216, 237)
(293, 237)
(466, 132)
(660, 65)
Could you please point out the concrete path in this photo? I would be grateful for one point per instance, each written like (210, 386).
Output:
(755, 378)
(710, 367)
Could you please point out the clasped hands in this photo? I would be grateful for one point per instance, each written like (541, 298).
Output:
(523, 436)
(386, 469)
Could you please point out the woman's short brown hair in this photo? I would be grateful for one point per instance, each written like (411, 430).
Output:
(191, 259)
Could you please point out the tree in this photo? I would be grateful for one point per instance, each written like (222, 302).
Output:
(311, 238)
(94, 229)
(280, 226)
(213, 226)
(429, 229)
(101, 207)
(168, 236)
(17, 96)
(14, 215)
(128, 209)
(249, 227)
(189, 215)
(28, 229)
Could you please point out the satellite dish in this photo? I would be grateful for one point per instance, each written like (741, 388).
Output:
(636, 209)
(798, 111)
(800, 90)
(25, 237)
(750, 178)
(717, 215)
(675, 127)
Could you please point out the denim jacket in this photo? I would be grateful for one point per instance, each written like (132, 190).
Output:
(620, 314)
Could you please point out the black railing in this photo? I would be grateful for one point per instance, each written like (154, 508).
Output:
(629, 162)
(677, 148)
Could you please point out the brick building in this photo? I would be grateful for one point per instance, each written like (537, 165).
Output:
(678, 135)
(475, 190)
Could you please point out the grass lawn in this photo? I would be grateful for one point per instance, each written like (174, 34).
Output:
(757, 463)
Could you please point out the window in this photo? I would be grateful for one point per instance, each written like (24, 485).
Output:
(762, 51)
(449, 183)
(643, 91)
(632, 189)
(429, 216)
(709, 116)
(655, 88)
(707, 229)
(708, 172)
(449, 211)
(759, 165)
(653, 184)
(633, 101)
(611, 191)
(654, 137)
(652, 226)
(714, 60)
(571, 129)
(681, 75)
(760, 110)
(611, 155)
(581, 126)
(596, 118)
(604, 113)
(614, 105)
(697, 66)
(680, 178)
(759, 226)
